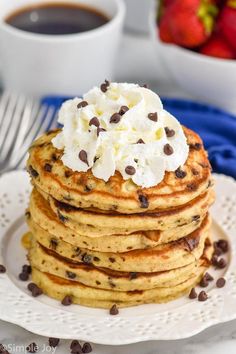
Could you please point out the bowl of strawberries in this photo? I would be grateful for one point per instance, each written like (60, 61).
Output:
(197, 41)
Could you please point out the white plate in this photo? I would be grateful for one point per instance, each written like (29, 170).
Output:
(178, 319)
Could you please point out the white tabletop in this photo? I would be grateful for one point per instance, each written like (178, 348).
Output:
(137, 62)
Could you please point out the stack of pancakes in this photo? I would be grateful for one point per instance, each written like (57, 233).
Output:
(105, 243)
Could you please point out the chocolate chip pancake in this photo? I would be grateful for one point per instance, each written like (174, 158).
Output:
(163, 257)
(83, 190)
(103, 278)
(81, 294)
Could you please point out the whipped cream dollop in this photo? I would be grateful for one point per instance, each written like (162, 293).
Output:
(123, 127)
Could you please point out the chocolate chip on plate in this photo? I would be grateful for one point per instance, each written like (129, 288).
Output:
(2, 268)
(220, 282)
(204, 282)
(123, 110)
(168, 150)
(94, 121)
(223, 245)
(35, 290)
(140, 141)
(53, 342)
(26, 268)
(153, 116)
(83, 156)
(169, 132)
(75, 345)
(143, 201)
(130, 170)
(82, 104)
(87, 348)
(115, 118)
(180, 173)
(114, 310)
(24, 276)
(32, 348)
(67, 301)
(221, 263)
(202, 296)
(208, 277)
(192, 294)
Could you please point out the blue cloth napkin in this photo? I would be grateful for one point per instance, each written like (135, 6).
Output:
(217, 129)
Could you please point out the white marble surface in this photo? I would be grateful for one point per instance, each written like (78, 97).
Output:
(137, 62)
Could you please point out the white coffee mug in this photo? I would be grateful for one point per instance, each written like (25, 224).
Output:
(38, 64)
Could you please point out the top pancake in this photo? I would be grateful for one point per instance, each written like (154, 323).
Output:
(83, 190)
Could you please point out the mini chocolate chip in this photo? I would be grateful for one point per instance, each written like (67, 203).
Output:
(145, 85)
(104, 86)
(208, 277)
(195, 172)
(31, 286)
(143, 201)
(94, 121)
(82, 104)
(87, 258)
(2, 269)
(195, 217)
(140, 141)
(67, 300)
(153, 116)
(169, 132)
(111, 259)
(99, 130)
(75, 345)
(221, 263)
(180, 173)
(87, 348)
(53, 244)
(53, 342)
(202, 296)
(223, 245)
(132, 275)
(27, 214)
(68, 173)
(168, 150)
(214, 260)
(36, 291)
(204, 282)
(48, 167)
(196, 146)
(96, 259)
(217, 250)
(98, 282)
(83, 156)
(24, 276)
(54, 157)
(220, 282)
(114, 310)
(33, 172)
(26, 268)
(32, 348)
(192, 186)
(192, 294)
(130, 170)
(70, 275)
(115, 118)
(123, 110)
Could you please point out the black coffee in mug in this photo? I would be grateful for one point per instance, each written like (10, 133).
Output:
(57, 18)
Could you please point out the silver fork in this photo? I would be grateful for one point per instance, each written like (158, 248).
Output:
(21, 121)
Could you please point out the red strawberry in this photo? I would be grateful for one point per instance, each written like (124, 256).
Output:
(218, 47)
(227, 22)
(191, 22)
(164, 31)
